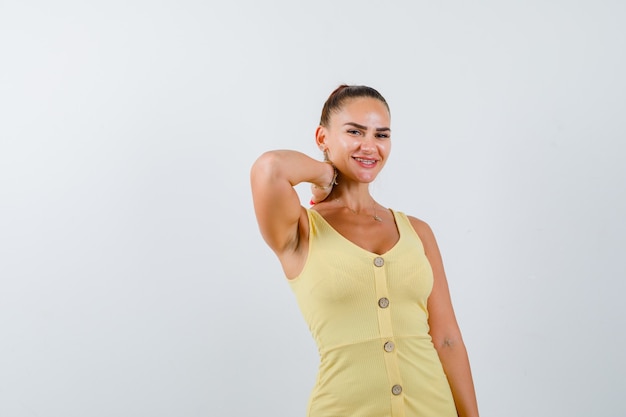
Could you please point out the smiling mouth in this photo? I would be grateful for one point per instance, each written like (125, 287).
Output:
(366, 161)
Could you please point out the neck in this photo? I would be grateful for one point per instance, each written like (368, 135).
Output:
(356, 198)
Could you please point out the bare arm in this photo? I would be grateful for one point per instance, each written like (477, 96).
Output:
(444, 329)
(276, 203)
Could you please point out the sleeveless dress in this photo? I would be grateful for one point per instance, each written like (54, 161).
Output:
(367, 313)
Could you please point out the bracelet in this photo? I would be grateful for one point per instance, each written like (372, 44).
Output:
(332, 182)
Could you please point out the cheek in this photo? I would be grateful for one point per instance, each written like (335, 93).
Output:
(347, 144)
(386, 148)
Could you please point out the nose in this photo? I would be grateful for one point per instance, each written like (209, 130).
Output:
(368, 144)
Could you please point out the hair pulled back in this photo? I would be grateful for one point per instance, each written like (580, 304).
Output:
(343, 93)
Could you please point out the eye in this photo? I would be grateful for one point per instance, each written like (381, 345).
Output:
(354, 132)
(383, 135)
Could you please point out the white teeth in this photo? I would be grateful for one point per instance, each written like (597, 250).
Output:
(366, 161)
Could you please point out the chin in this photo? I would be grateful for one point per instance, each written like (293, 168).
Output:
(367, 178)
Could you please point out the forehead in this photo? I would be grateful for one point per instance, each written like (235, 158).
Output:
(362, 110)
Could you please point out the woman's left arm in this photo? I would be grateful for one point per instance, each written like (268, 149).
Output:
(444, 328)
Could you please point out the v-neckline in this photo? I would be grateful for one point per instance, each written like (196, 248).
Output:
(351, 243)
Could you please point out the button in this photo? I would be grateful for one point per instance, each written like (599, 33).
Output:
(396, 389)
(389, 346)
(383, 302)
(378, 261)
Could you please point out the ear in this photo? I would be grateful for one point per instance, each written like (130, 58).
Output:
(320, 137)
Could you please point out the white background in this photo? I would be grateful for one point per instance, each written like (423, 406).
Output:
(133, 279)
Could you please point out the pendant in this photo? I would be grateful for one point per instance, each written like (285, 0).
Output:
(377, 218)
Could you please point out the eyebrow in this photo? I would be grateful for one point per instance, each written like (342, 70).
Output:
(358, 126)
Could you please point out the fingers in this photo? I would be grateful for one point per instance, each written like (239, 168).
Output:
(319, 194)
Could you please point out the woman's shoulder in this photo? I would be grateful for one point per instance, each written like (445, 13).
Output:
(421, 227)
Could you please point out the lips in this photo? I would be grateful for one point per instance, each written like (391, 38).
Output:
(365, 161)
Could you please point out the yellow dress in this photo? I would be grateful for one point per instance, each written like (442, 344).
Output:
(368, 316)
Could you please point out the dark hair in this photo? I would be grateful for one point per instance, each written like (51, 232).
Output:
(343, 93)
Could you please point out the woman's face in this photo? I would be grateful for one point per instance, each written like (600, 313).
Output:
(358, 138)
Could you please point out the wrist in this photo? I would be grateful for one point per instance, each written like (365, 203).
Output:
(332, 182)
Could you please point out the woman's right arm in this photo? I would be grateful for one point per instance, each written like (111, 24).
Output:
(276, 202)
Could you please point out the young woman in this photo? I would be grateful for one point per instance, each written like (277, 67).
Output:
(369, 280)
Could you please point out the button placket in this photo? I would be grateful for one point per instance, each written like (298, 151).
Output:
(386, 334)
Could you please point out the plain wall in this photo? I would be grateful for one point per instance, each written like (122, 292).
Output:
(133, 279)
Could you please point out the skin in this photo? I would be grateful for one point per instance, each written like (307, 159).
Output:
(357, 141)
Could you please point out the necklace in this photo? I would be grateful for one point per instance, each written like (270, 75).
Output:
(375, 216)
